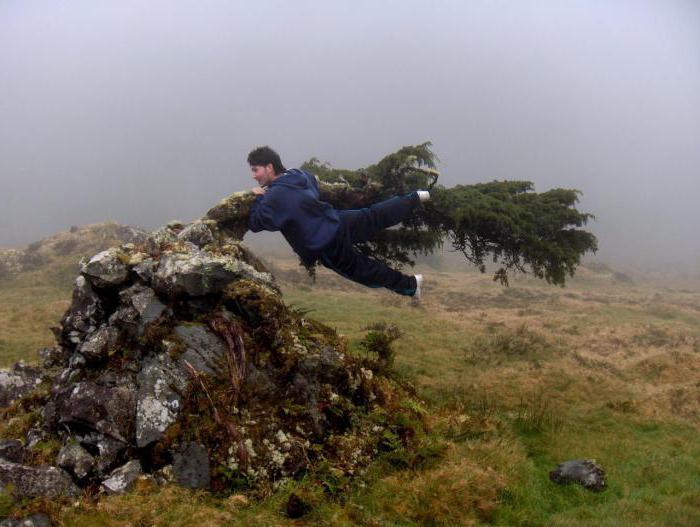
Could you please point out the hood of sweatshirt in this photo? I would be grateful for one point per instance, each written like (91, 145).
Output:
(293, 178)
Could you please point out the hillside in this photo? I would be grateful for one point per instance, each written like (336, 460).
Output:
(515, 380)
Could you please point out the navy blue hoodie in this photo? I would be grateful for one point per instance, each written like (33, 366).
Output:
(291, 205)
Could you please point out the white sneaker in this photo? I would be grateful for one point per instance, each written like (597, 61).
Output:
(419, 282)
(424, 195)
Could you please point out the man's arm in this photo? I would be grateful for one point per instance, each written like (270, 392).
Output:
(264, 213)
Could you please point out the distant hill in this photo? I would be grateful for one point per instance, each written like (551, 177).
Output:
(61, 252)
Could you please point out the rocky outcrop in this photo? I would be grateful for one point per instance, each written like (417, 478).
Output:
(177, 360)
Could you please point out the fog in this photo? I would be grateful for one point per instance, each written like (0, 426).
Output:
(142, 112)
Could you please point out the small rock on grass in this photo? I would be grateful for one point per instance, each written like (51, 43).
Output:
(585, 472)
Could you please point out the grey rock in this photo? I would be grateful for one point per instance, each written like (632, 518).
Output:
(74, 337)
(11, 450)
(315, 370)
(307, 389)
(76, 361)
(159, 238)
(34, 520)
(107, 405)
(17, 382)
(34, 436)
(201, 304)
(95, 348)
(201, 273)
(122, 478)
(49, 419)
(146, 269)
(158, 401)
(198, 233)
(85, 311)
(108, 450)
(65, 378)
(258, 384)
(54, 356)
(31, 482)
(191, 466)
(582, 471)
(162, 379)
(204, 349)
(105, 269)
(75, 459)
(328, 366)
(145, 301)
(126, 320)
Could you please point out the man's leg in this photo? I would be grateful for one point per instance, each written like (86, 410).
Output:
(347, 261)
(363, 224)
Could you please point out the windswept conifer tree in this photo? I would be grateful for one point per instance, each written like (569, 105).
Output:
(505, 221)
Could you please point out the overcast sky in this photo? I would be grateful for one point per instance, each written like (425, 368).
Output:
(144, 111)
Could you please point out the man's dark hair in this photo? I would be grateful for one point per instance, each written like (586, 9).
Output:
(264, 155)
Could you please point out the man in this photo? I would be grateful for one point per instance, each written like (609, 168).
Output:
(288, 201)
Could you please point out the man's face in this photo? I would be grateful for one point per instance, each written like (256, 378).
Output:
(263, 174)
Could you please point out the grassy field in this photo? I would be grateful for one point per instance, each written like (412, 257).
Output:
(515, 380)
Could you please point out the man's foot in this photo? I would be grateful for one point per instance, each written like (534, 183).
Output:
(423, 195)
(419, 283)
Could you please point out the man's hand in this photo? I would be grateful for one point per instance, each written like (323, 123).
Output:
(259, 190)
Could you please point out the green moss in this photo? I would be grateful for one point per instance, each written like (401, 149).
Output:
(22, 414)
(6, 501)
(123, 258)
(15, 425)
(256, 304)
(45, 452)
